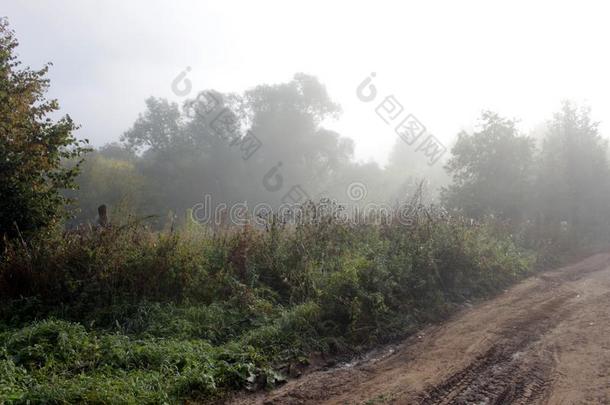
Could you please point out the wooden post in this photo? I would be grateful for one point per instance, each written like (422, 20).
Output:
(102, 216)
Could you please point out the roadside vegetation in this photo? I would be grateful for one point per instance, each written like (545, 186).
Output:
(135, 316)
(143, 310)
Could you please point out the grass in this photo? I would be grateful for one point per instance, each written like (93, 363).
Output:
(127, 315)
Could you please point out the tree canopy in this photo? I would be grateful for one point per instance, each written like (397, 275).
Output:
(32, 146)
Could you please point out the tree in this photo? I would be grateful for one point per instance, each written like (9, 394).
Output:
(207, 147)
(32, 146)
(157, 129)
(491, 170)
(572, 181)
(288, 119)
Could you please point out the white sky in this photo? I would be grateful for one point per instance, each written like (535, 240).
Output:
(445, 61)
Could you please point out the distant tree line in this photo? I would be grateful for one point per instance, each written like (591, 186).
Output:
(560, 184)
(170, 158)
(270, 144)
(265, 145)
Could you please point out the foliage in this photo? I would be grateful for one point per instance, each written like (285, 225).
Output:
(130, 315)
(559, 193)
(32, 147)
(110, 177)
(127, 314)
(572, 183)
(492, 170)
(183, 153)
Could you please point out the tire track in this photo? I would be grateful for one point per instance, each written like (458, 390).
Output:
(506, 372)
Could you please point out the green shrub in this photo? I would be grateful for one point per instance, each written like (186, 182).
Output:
(133, 316)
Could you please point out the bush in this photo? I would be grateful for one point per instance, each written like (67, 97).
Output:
(129, 315)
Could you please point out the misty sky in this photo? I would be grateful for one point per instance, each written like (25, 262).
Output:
(444, 61)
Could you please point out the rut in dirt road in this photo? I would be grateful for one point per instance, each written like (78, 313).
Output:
(500, 375)
(545, 341)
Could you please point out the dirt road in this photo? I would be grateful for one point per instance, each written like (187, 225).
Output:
(545, 341)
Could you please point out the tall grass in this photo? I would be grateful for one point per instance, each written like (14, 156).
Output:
(129, 315)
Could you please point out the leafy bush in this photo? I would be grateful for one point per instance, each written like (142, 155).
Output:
(133, 316)
(32, 147)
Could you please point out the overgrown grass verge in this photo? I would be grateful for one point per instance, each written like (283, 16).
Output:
(126, 315)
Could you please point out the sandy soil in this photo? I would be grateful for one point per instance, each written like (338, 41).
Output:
(545, 341)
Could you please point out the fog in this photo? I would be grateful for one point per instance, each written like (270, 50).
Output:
(445, 62)
(397, 202)
(322, 101)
